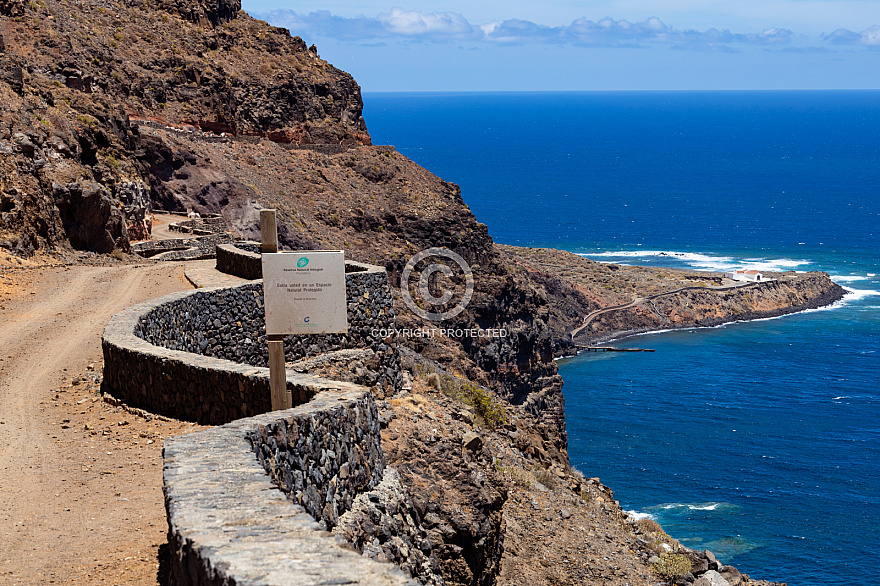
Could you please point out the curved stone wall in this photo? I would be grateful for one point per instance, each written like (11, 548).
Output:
(241, 259)
(181, 384)
(230, 521)
(230, 524)
(229, 323)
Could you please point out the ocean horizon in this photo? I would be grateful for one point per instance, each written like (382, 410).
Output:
(757, 440)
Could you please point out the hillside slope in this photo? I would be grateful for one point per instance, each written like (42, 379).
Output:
(110, 110)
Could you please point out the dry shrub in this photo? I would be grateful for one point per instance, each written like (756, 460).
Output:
(647, 525)
(519, 477)
(546, 478)
(672, 566)
(433, 380)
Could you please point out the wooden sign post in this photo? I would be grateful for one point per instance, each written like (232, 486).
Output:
(303, 293)
(281, 398)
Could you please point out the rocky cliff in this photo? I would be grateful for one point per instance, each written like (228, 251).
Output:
(75, 76)
(111, 109)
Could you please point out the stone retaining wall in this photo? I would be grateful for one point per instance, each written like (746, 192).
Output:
(324, 455)
(181, 384)
(149, 248)
(241, 259)
(229, 520)
(200, 226)
(230, 324)
(193, 248)
(230, 524)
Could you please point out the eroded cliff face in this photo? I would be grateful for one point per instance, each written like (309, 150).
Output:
(111, 111)
(74, 77)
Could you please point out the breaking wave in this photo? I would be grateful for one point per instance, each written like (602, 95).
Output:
(703, 261)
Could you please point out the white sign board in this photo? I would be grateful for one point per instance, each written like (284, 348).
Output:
(305, 292)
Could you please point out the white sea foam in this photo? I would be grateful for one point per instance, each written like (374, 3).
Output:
(704, 261)
(773, 265)
(848, 278)
(856, 294)
(695, 506)
(849, 297)
(638, 515)
(841, 397)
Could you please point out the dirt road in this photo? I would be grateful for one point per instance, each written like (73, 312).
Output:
(80, 480)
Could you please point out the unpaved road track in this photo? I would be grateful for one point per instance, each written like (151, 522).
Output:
(80, 480)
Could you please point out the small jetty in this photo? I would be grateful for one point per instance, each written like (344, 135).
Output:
(612, 349)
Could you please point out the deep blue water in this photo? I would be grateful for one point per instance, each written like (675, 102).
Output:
(760, 440)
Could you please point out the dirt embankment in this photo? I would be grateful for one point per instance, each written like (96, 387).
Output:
(660, 298)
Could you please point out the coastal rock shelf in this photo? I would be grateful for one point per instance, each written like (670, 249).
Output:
(593, 302)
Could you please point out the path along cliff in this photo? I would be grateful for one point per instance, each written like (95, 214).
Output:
(112, 110)
(80, 479)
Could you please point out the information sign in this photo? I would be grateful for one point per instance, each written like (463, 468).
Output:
(305, 292)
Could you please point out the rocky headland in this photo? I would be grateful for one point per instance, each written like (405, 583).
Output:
(598, 302)
(112, 110)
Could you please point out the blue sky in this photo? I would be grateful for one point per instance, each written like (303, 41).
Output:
(460, 45)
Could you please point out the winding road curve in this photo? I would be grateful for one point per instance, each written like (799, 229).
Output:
(591, 316)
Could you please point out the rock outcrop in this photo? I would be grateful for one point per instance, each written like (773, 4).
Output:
(74, 76)
(109, 111)
(664, 298)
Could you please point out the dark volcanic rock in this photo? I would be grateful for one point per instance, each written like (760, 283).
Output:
(12, 7)
(214, 12)
(90, 219)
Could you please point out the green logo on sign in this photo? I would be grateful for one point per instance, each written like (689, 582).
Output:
(302, 262)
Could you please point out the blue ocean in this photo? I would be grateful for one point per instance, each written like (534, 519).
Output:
(759, 441)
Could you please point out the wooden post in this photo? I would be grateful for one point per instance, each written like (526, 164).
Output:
(281, 399)
(278, 374)
(268, 231)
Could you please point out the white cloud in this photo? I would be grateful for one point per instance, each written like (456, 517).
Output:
(415, 23)
(441, 27)
(870, 37)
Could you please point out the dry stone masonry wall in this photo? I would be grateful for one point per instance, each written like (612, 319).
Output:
(229, 519)
(230, 524)
(181, 384)
(230, 324)
(195, 248)
(325, 459)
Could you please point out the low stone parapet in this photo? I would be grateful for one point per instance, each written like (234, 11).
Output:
(229, 523)
(235, 259)
(182, 384)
